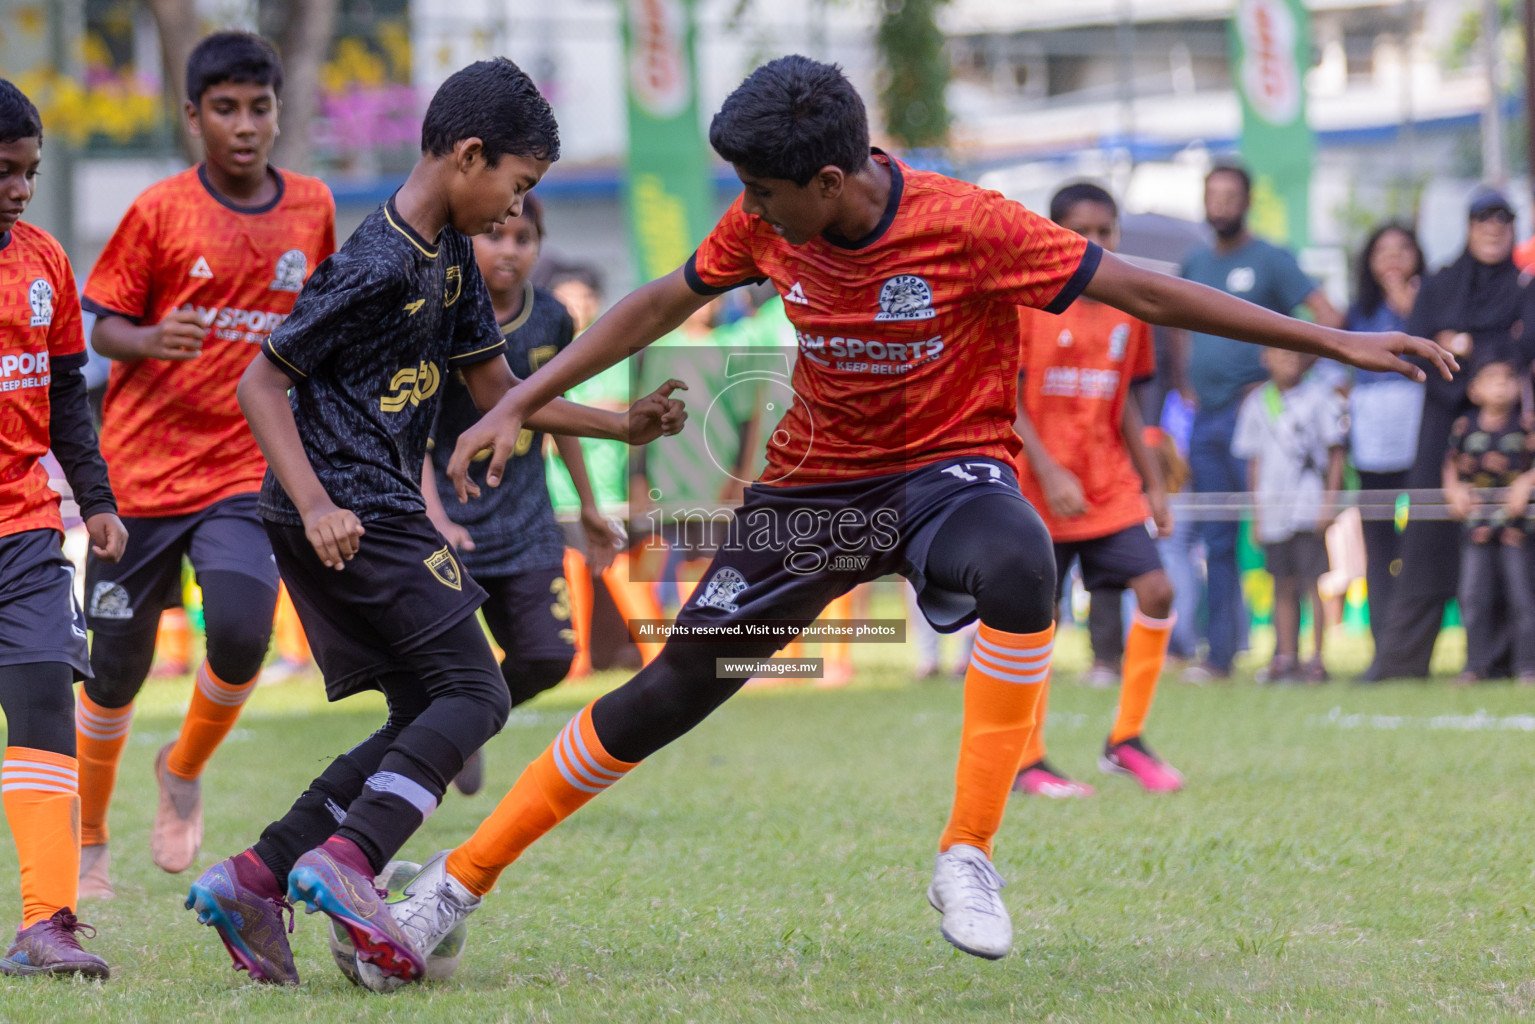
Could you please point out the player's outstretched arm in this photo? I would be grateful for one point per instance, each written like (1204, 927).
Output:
(263, 396)
(490, 381)
(1174, 302)
(634, 322)
(651, 417)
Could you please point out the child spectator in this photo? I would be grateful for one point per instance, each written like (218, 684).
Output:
(1490, 448)
(1291, 430)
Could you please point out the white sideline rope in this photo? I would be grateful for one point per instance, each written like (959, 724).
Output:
(1423, 504)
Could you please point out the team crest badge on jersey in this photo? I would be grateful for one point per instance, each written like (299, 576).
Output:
(445, 568)
(721, 591)
(455, 284)
(1065, 340)
(110, 601)
(905, 297)
(40, 297)
(1119, 340)
(289, 276)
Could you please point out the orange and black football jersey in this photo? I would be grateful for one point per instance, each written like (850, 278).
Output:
(171, 430)
(1078, 368)
(908, 338)
(39, 332)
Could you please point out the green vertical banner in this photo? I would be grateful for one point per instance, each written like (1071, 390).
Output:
(667, 190)
(1270, 52)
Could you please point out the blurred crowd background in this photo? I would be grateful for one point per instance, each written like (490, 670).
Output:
(1384, 145)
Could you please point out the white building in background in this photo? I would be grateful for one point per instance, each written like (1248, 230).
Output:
(1139, 92)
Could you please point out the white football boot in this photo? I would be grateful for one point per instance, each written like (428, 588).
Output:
(966, 890)
(429, 907)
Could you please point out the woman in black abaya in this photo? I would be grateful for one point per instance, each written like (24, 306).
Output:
(1473, 307)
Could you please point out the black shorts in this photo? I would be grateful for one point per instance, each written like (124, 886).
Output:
(529, 615)
(1303, 556)
(128, 597)
(404, 588)
(1108, 563)
(40, 619)
(790, 551)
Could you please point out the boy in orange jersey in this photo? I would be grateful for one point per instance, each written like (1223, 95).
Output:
(1084, 468)
(895, 455)
(202, 267)
(42, 633)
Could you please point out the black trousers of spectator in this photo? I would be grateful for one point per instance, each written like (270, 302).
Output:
(1382, 546)
(1430, 553)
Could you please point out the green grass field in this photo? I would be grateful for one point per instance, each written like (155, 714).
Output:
(1341, 854)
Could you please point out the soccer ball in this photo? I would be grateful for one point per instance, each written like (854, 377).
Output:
(440, 963)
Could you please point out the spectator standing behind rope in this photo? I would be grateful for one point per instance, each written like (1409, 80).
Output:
(1290, 432)
(1220, 372)
(1384, 413)
(1472, 306)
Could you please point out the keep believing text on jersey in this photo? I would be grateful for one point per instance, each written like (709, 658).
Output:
(856, 355)
(24, 370)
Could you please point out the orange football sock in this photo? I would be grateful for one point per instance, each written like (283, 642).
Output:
(1002, 693)
(1034, 747)
(40, 791)
(100, 735)
(215, 706)
(1145, 654)
(572, 770)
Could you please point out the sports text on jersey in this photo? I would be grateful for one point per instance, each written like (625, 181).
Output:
(24, 370)
(230, 324)
(859, 356)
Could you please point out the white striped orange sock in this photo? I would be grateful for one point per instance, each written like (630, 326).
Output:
(40, 791)
(1003, 687)
(215, 706)
(570, 771)
(100, 735)
(1145, 656)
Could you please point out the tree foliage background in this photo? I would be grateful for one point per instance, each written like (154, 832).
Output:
(914, 72)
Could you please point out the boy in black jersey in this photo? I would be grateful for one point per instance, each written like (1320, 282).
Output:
(342, 406)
